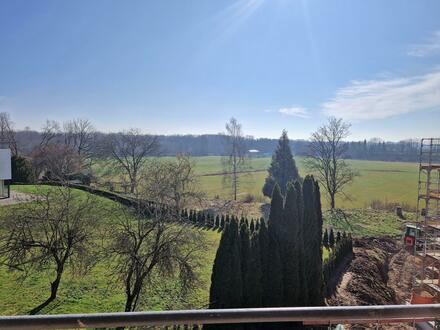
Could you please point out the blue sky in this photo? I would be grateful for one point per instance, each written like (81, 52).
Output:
(188, 66)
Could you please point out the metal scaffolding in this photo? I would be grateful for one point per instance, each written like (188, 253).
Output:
(428, 220)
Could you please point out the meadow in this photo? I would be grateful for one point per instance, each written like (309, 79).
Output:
(99, 290)
(377, 180)
(390, 182)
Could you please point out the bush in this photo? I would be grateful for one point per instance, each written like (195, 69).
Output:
(342, 249)
(386, 205)
(83, 178)
(248, 198)
(21, 170)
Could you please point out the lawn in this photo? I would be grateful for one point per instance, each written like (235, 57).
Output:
(367, 222)
(385, 181)
(377, 180)
(98, 291)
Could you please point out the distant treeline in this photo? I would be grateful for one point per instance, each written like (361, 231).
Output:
(214, 145)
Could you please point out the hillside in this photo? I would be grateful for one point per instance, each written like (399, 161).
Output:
(98, 291)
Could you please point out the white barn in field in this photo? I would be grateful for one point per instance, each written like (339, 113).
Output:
(5, 172)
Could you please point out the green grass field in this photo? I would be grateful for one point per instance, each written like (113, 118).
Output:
(384, 181)
(98, 291)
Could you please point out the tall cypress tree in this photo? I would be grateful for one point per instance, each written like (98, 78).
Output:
(331, 238)
(318, 241)
(257, 223)
(254, 275)
(276, 220)
(309, 228)
(226, 279)
(245, 254)
(313, 241)
(325, 239)
(274, 288)
(222, 222)
(278, 265)
(302, 296)
(263, 238)
(282, 168)
(289, 248)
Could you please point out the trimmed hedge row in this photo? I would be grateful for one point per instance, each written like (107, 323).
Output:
(198, 218)
(342, 249)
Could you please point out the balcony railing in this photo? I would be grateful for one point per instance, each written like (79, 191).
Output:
(308, 315)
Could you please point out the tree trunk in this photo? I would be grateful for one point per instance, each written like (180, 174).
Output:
(129, 303)
(53, 293)
(332, 201)
(235, 184)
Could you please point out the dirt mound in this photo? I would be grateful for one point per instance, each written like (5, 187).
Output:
(402, 270)
(387, 244)
(366, 280)
(380, 274)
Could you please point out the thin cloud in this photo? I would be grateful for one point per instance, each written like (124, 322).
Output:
(299, 112)
(378, 99)
(430, 47)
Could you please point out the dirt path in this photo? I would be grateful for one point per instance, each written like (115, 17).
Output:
(225, 173)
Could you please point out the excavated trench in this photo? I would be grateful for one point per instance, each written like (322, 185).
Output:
(380, 273)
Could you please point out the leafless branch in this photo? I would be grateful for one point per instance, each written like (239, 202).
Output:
(326, 158)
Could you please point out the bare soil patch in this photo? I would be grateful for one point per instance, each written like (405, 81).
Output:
(380, 274)
(236, 208)
(16, 198)
(228, 173)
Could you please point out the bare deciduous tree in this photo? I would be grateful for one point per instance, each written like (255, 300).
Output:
(49, 133)
(7, 134)
(235, 159)
(51, 233)
(80, 135)
(171, 182)
(326, 158)
(148, 239)
(129, 151)
(55, 162)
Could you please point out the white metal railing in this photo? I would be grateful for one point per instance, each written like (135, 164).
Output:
(308, 315)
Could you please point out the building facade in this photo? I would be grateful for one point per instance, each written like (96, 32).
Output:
(5, 172)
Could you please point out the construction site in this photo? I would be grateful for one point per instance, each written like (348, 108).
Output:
(427, 241)
(386, 271)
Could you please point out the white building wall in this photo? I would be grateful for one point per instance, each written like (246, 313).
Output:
(5, 164)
